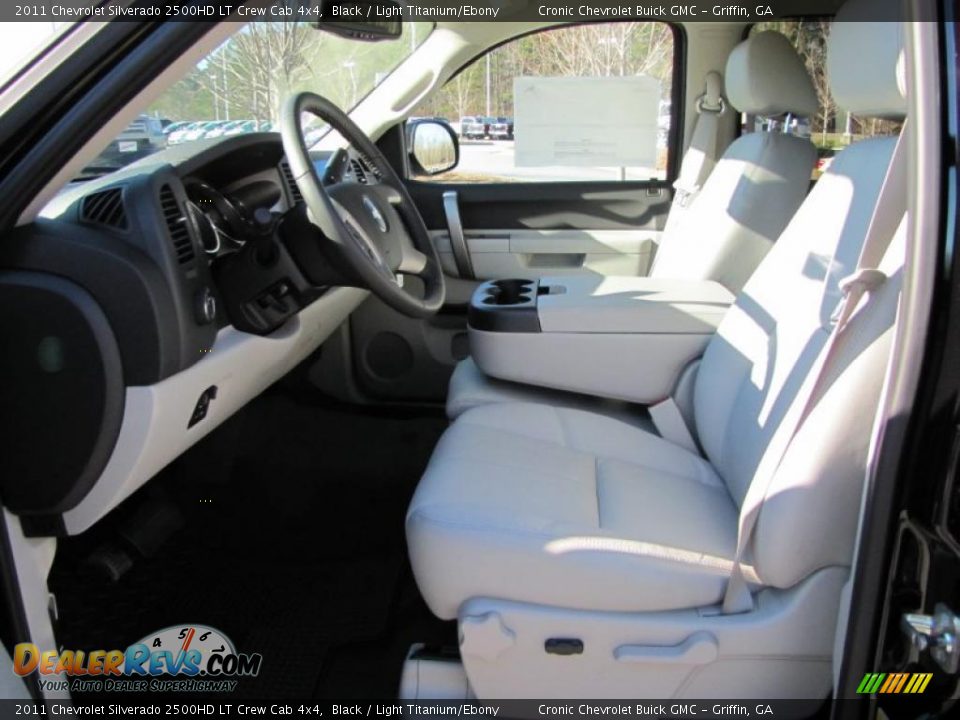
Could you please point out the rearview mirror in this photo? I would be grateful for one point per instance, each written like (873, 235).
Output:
(432, 145)
(366, 20)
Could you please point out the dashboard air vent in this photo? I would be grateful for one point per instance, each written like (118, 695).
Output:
(105, 208)
(292, 190)
(177, 224)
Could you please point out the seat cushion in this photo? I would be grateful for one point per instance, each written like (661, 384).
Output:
(568, 508)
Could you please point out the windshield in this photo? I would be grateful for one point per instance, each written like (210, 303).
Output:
(23, 42)
(241, 86)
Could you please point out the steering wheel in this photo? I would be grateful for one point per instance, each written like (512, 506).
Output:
(376, 226)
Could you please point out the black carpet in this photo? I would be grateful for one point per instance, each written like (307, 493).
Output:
(292, 545)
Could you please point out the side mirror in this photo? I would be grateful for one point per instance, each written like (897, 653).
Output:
(433, 146)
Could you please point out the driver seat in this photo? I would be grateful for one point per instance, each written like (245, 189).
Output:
(584, 557)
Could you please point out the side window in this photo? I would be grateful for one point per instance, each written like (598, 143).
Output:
(580, 103)
(832, 128)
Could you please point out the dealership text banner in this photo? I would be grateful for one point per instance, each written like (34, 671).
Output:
(320, 11)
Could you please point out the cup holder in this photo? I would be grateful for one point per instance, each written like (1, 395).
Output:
(505, 306)
(510, 292)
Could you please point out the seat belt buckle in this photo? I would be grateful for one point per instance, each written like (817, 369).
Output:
(853, 287)
(867, 278)
(683, 195)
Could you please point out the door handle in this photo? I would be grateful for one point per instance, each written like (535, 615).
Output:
(458, 243)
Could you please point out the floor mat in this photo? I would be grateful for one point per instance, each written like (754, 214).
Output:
(293, 546)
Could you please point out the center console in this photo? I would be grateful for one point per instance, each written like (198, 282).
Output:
(626, 338)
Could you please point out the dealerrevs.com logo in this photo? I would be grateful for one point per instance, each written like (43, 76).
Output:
(180, 658)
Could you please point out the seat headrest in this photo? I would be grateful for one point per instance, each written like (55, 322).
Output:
(865, 62)
(765, 76)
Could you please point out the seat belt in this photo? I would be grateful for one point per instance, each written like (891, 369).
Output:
(704, 150)
(887, 214)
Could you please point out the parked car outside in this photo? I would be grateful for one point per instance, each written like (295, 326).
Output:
(488, 123)
(824, 158)
(177, 136)
(240, 127)
(174, 127)
(222, 129)
(144, 136)
(502, 129)
(472, 127)
(200, 130)
(799, 126)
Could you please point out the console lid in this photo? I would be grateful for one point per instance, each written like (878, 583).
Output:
(626, 338)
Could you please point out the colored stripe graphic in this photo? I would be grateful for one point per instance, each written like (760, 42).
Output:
(870, 683)
(892, 680)
(893, 683)
(903, 681)
(918, 683)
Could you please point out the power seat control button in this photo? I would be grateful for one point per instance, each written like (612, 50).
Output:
(203, 405)
(563, 646)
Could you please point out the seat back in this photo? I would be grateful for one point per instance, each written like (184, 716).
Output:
(770, 339)
(760, 181)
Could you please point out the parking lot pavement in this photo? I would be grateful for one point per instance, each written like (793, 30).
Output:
(496, 158)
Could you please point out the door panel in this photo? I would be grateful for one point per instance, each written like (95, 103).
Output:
(549, 206)
(534, 253)
(530, 230)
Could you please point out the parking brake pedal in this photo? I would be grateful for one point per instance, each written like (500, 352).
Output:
(109, 561)
(151, 525)
(142, 534)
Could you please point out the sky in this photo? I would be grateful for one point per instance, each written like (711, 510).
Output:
(23, 40)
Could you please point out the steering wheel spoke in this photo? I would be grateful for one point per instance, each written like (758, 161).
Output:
(390, 194)
(413, 262)
(376, 227)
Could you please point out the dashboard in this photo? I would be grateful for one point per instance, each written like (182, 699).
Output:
(171, 292)
(225, 222)
(227, 213)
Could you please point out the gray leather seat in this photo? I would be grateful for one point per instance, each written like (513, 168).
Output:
(535, 522)
(745, 204)
(561, 498)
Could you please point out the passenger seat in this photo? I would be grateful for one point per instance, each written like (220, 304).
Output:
(728, 228)
(585, 558)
